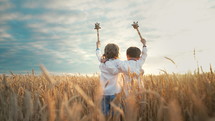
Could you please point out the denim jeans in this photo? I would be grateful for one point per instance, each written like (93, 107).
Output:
(106, 103)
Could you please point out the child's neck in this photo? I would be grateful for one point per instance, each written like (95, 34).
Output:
(135, 59)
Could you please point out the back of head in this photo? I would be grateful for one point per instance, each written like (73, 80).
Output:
(133, 52)
(111, 51)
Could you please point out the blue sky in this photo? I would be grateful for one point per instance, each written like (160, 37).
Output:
(59, 33)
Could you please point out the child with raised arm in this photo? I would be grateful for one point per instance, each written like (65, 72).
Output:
(132, 67)
(109, 77)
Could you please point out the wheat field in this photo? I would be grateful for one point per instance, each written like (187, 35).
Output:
(165, 97)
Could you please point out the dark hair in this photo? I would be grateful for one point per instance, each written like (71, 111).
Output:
(111, 51)
(133, 52)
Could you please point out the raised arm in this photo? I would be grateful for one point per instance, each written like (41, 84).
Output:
(98, 44)
(144, 52)
(98, 51)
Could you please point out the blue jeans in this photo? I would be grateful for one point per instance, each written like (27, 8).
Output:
(106, 103)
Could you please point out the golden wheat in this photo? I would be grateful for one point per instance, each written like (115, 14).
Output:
(165, 97)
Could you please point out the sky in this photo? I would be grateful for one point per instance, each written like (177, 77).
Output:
(60, 34)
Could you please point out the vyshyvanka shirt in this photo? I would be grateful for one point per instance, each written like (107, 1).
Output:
(110, 77)
(133, 67)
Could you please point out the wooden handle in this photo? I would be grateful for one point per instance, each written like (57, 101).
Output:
(97, 27)
(98, 35)
(139, 34)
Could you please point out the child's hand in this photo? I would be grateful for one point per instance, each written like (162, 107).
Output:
(143, 41)
(98, 44)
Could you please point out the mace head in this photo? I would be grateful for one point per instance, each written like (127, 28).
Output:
(135, 25)
(97, 26)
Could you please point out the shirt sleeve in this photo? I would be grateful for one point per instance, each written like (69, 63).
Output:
(98, 54)
(142, 59)
(113, 69)
(123, 67)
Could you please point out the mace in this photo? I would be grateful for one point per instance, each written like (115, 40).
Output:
(97, 27)
(135, 25)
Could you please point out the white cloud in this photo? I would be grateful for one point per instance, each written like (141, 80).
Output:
(61, 18)
(60, 5)
(4, 35)
(8, 16)
(3, 29)
(41, 48)
(5, 5)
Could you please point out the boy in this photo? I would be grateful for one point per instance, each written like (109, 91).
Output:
(134, 63)
(132, 68)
